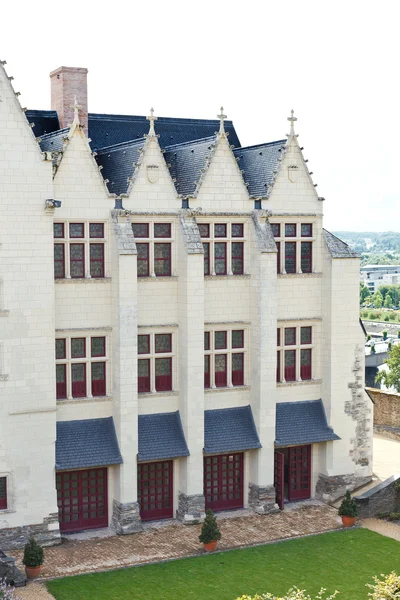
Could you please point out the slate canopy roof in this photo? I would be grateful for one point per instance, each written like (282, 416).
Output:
(302, 422)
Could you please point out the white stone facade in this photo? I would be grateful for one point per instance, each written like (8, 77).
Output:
(35, 309)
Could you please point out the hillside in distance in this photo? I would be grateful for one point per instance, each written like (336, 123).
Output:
(375, 247)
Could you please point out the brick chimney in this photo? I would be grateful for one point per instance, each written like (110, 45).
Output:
(66, 83)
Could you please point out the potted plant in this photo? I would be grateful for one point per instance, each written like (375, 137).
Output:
(210, 533)
(33, 558)
(348, 510)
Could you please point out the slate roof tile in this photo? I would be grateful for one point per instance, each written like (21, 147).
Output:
(229, 430)
(337, 248)
(46, 121)
(161, 436)
(258, 163)
(86, 443)
(118, 164)
(185, 162)
(53, 142)
(302, 422)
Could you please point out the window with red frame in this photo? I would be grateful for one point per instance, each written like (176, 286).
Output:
(75, 236)
(61, 370)
(278, 366)
(237, 369)
(306, 257)
(220, 258)
(144, 383)
(59, 261)
(305, 364)
(220, 351)
(154, 257)
(237, 258)
(206, 246)
(216, 251)
(98, 368)
(143, 260)
(290, 365)
(292, 351)
(290, 257)
(3, 493)
(97, 260)
(289, 236)
(150, 346)
(163, 369)
(207, 379)
(221, 373)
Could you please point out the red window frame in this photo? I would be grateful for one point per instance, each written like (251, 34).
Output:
(290, 370)
(99, 387)
(61, 386)
(144, 381)
(97, 261)
(138, 236)
(290, 257)
(58, 261)
(278, 366)
(309, 225)
(235, 345)
(239, 257)
(217, 235)
(221, 377)
(3, 493)
(78, 261)
(276, 229)
(238, 374)
(225, 346)
(290, 331)
(306, 257)
(145, 260)
(74, 237)
(170, 343)
(206, 340)
(84, 348)
(78, 388)
(241, 230)
(147, 336)
(287, 228)
(207, 374)
(206, 247)
(278, 257)
(163, 260)
(204, 230)
(309, 330)
(305, 369)
(97, 225)
(62, 229)
(220, 259)
(163, 382)
(278, 337)
(94, 354)
(64, 353)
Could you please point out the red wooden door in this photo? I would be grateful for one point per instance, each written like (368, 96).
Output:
(299, 473)
(82, 499)
(223, 481)
(155, 490)
(279, 479)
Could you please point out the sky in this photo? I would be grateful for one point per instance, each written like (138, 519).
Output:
(335, 63)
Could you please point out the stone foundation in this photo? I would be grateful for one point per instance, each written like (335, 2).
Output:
(329, 489)
(191, 509)
(126, 518)
(381, 499)
(46, 534)
(262, 499)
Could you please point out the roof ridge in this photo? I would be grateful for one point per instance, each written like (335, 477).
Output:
(259, 145)
(162, 119)
(53, 133)
(120, 145)
(189, 143)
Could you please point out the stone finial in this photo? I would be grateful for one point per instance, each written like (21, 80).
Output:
(221, 118)
(292, 119)
(152, 118)
(76, 108)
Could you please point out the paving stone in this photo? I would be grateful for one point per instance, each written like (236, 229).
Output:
(177, 540)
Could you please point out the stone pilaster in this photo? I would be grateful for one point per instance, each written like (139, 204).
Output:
(126, 517)
(191, 509)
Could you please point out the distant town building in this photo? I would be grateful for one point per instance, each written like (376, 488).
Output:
(373, 276)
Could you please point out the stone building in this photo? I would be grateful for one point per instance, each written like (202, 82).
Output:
(177, 329)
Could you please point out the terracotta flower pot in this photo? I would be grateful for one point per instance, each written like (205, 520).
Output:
(348, 521)
(211, 546)
(32, 572)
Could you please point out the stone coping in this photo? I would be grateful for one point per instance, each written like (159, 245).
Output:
(378, 488)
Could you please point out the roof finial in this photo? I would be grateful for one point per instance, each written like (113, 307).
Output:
(221, 118)
(76, 108)
(292, 119)
(152, 118)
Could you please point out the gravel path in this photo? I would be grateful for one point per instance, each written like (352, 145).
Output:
(34, 591)
(390, 529)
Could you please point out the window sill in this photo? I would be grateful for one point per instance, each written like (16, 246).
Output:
(159, 278)
(294, 383)
(5, 511)
(60, 402)
(84, 280)
(220, 277)
(227, 389)
(290, 275)
(4, 313)
(157, 394)
(4, 377)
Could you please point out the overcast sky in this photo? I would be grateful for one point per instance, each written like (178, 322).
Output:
(335, 63)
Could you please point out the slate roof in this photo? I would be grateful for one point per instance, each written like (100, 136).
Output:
(86, 443)
(259, 163)
(118, 164)
(46, 121)
(53, 142)
(302, 422)
(185, 162)
(108, 130)
(161, 436)
(229, 430)
(337, 248)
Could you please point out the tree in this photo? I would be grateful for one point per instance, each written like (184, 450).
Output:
(377, 299)
(391, 378)
(364, 292)
(388, 301)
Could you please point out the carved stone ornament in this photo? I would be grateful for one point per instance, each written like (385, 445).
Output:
(293, 172)
(152, 173)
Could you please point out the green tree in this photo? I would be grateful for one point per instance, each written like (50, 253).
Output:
(364, 292)
(388, 301)
(377, 299)
(391, 378)
(393, 290)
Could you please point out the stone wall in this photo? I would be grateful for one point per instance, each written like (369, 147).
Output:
(46, 534)
(386, 407)
(383, 498)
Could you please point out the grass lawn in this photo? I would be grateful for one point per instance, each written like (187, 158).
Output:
(342, 560)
